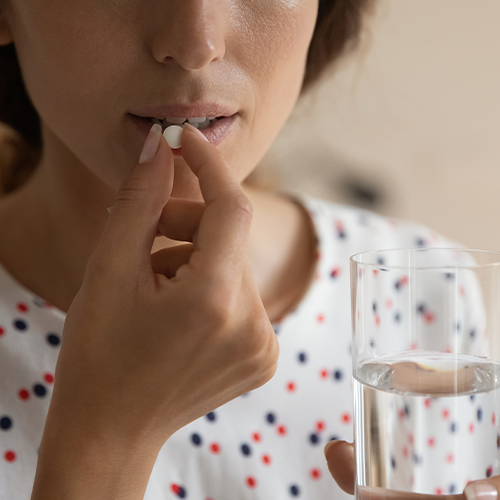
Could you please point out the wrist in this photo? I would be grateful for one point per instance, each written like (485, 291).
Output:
(77, 462)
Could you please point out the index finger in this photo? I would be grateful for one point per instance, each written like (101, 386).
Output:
(225, 225)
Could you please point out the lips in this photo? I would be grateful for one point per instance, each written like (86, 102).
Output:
(216, 133)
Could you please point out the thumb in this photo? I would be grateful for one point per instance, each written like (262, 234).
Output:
(340, 458)
(132, 225)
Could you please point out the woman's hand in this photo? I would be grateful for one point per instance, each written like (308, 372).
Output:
(340, 458)
(153, 342)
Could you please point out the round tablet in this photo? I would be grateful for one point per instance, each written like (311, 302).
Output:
(173, 136)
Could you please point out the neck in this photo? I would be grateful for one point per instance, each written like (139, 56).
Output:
(59, 215)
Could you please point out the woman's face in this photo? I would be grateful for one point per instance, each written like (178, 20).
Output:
(89, 64)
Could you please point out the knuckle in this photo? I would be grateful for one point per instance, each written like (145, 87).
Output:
(130, 194)
(242, 206)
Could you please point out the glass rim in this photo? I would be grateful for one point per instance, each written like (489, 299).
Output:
(353, 257)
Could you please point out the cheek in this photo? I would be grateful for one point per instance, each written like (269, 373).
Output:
(279, 41)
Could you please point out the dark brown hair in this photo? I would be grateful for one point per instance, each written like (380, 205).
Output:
(337, 32)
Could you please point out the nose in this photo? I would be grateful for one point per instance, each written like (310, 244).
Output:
(191, 33)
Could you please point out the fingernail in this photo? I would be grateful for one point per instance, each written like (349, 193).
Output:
(480, 491)
(151, 145)
(195, 130)
(109, 209)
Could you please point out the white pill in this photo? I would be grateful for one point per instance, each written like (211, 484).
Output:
(173, 136)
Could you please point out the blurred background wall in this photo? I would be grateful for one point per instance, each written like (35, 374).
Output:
(409, 126)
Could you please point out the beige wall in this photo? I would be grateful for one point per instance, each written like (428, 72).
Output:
(416, 115)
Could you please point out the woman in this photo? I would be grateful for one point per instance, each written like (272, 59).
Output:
(165, 305)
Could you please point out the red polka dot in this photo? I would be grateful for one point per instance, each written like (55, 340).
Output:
(2, 331)
(427, 402)
(401, 414)
(377, 319)
(448, 349)
(439, 491)
(215, 448)
(10, 456)
(461, 291)
(431, 441)
(256, 437)
(315, 473)
(375, 272)
(471, 428)
(251, 482)
(339, 225)
(450, 458)
(320, 426)
(320, 318)
(493, 419)
(388, 303)
(24, 394)
(22, 307)
(266, 459)
(411, 439)
(323, 373)
(291, 386)
(175, 488)
(49, 378)
(346, 418)
(282, 430)
(405, 451)
(403, 280)
(335, 272)
(445, 413)
(413, 346)
(429, 317)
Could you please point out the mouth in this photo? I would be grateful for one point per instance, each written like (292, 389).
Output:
(214, 128)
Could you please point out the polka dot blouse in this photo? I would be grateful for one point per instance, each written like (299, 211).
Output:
(267, 444)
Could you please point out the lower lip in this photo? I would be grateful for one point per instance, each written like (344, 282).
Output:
(215, 134)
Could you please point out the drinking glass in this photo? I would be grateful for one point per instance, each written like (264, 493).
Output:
(426, 369)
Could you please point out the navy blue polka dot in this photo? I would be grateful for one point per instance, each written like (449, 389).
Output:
(39, 390)
(479, 414)
(472, 398)
(393, 462)
(421, 308)
(5, 423)
(380, 261)
(211, 416)
(294, 490)
(397, 285)
(458, 326)
(20, 325)
(53, 339)
(334, 438)
(420, 242)
(453, 427)
(270, 418)
(341, 234)
(407, 410)
(472, 333)
(276, 329)
(246, 450)
(302, 357)
(314, 438)
(449, 276)
(374, 307)
(196, 439)
(397, 317)
(416, 459)
(452, 488)
(181, 493)
(372, 344)
(489, 471)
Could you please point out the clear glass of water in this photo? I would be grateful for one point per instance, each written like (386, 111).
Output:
(426, 369)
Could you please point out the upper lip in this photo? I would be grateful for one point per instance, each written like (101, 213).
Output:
(184, 110)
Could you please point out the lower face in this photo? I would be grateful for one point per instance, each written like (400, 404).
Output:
(88, 65)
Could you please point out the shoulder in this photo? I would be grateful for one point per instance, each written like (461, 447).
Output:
(358, 230)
